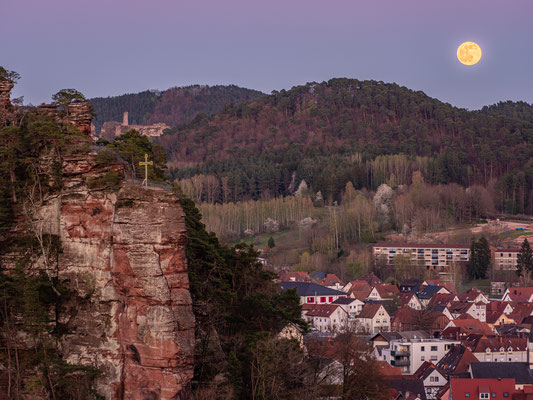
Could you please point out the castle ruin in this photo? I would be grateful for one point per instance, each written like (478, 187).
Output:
(111, 129)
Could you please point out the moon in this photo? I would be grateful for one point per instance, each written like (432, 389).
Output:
(469, 53)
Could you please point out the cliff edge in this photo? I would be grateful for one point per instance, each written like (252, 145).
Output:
(124, 252)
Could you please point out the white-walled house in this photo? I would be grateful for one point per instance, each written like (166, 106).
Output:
(311, 293)
(352, 306)
(373, 318)
(410, 354)
(326, 317)
(431, 377)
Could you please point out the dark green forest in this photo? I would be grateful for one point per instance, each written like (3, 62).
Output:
(519, 110)
(174, 106)
(366, 132)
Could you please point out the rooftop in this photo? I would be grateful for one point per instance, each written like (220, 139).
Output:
(310, 289)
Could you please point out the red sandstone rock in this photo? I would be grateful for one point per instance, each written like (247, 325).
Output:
(125, 251)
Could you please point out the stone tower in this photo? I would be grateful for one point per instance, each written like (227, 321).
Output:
(5, 93)
(125, 118)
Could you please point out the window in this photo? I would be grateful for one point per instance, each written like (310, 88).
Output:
(423, 348)
(434, 358)
(494, 395)
(505, 394)
(467, 394)
(422, 358)
(433, 348)
(310, 299)
(483, 395)
(322, 299)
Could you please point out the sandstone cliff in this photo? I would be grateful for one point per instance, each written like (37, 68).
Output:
(123, 251)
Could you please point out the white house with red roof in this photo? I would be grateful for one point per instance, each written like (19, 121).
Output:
(482, 389)
(518, 294)
(332, 281)
(410, 300)
(326, 317)
(373, 318)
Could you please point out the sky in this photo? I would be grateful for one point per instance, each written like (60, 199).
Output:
(112, 47)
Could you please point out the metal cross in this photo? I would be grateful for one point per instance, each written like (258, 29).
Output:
(146, 163)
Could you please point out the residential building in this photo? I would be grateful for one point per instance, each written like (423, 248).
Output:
(352, 306)
(456, 363)
(292, 331)
(518, 294)
(372, 319)
(470, 325)
(426, 293)
(411, 300)
(497, 348)
(473, 296)
(406, 388)
(410, 354)
(497, 389)
(408, 319)
(311, 293)
(432, 378)
(505, 259)
(294, 276)
(326, 317)
(475, 310)
(433, 256)
(332, 281)
(411, 285)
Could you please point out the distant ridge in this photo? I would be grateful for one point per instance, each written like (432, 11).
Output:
(174, 106)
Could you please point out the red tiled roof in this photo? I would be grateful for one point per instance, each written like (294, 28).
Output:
(460, 387)
(441, 299)
(472, 325)
(369, 310)
(495, 343)
(331, 280)
(520, 294)
(322, 310)
(496, 305)
(493, 316)
(294, 276)
(470, 295)
(371, 279)
(387, 290)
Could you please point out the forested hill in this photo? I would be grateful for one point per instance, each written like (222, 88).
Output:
(328, 133)
(513, 109)
(174, 106)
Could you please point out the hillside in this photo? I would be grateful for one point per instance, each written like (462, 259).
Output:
(174, 106)
(519, 110)
(366, 132)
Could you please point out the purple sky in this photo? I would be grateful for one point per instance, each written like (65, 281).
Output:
(111, 47)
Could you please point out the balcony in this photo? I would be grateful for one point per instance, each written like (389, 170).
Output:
(399, 353)
(399, 363)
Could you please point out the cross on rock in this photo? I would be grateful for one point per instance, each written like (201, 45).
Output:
(146, 163)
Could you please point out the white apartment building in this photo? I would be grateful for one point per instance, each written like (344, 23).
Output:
(410, 354)
(432, 256)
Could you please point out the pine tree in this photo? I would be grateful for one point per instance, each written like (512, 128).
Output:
(524, 265)
(479, 259)
(271, 242)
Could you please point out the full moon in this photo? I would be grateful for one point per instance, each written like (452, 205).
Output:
(469, 53)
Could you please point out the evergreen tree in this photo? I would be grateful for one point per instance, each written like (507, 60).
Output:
(524, 265)
(271, 242)
(479, 259)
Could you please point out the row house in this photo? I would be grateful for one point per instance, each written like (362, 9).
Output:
(498, 348)
(433, 256)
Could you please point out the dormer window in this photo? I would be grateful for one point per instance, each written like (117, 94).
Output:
(502, 350)
(483, 395)
(487, 350)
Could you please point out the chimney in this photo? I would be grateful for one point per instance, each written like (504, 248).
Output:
(125, 119)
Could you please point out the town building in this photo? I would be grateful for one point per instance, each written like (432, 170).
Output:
(432, 378)
(326, 317)
(352, 306)
(373, 318)
(505, 259)
(432, 256)
(497, 389)
(410, 354)
(518, 294)
(311, 293)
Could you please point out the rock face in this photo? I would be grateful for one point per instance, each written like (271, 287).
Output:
(124, 252)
